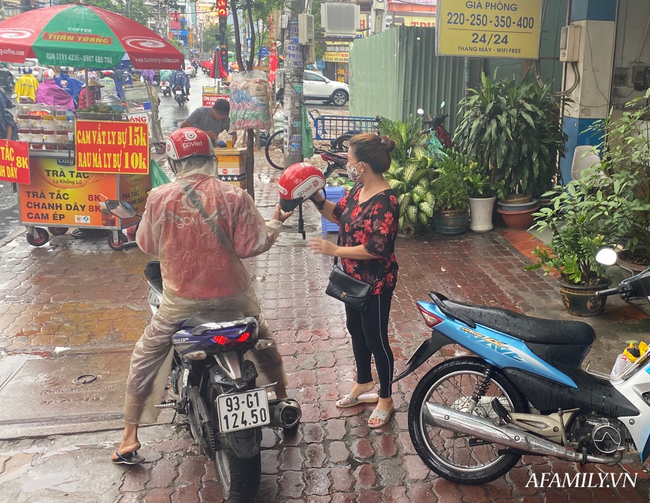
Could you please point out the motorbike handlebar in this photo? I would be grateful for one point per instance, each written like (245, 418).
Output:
(606, 293)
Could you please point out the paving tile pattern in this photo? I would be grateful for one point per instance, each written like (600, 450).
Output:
(82, 295)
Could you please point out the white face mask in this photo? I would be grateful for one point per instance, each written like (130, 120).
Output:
(353, 172)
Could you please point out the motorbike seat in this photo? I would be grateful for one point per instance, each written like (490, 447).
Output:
(526, 328)
(216, 316)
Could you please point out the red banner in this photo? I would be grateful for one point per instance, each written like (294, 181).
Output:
(112, 147)
(273, 65)
(14, 161)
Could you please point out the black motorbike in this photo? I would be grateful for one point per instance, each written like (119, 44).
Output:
(214, 386)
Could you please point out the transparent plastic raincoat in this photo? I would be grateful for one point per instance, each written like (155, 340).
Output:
(202, 270)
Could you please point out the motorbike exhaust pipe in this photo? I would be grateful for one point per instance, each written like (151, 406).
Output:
(285, 413)
(485, 429)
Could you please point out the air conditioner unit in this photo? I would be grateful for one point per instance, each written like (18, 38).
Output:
(305, 29)
(340, 19)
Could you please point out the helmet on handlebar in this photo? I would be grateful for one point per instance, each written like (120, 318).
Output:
(188, 142)
(298, 183)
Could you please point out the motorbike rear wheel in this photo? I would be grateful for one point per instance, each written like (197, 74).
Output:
(452, 455)
(239, 477)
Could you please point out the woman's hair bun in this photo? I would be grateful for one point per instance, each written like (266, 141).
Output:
(388, 144)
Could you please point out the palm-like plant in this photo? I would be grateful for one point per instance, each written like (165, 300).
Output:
(514, 132)
(410, 171)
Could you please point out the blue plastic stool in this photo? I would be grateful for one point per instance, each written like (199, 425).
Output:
(334, 194)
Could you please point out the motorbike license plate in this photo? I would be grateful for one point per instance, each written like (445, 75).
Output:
(178, 93)
(243, 410)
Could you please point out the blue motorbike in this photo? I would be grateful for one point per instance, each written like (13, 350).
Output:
(471, 418)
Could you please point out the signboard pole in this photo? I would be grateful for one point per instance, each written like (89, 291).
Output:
(293, 70)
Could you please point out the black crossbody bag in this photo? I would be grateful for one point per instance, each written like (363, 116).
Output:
(353, 292)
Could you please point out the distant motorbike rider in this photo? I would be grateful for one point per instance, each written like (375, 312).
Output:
(180, 78)
(200, 228)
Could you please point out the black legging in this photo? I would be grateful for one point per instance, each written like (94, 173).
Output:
(369, 331)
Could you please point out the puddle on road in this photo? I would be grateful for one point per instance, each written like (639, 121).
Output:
(44, 389)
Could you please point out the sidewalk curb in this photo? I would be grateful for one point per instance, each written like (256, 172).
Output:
(11, 236)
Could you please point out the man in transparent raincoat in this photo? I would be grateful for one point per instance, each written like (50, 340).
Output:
(201, 269)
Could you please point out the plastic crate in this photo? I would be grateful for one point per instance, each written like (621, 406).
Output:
(334, 194)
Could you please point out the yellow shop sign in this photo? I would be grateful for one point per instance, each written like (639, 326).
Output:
(494, 29)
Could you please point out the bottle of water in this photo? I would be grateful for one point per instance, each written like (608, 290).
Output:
(619, 365)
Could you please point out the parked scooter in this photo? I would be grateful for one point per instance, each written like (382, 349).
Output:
(472, 418)
(214, 386)
(435, 125)
(179, 96)
(165, 88)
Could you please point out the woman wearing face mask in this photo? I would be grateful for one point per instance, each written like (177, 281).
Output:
(367, 219)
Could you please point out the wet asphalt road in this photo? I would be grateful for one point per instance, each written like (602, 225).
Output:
(171, 118)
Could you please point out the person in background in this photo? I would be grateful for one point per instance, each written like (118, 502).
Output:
(8, 127)
(108, 83)
(180, 78)
(122, 78)
(49, 93)
(367, 219)
(72, 86)
(213, 120)
(89, 98)
(165, 75)
(148, 76)
(26, 86)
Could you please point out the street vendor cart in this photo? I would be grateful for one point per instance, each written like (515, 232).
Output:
(142, 107)
(64, 166)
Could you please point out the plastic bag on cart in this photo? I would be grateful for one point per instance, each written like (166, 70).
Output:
(250, 106)
(158, 176)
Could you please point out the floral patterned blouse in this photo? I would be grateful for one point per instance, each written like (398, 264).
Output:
(372, 224)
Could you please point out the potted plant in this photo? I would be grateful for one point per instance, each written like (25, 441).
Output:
(622, 180)
(577, 233)
(410, 174)
(451, 199)
(482, 196)
(514, 130)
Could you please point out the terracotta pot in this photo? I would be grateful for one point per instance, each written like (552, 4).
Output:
(581, 300)
(518, 219)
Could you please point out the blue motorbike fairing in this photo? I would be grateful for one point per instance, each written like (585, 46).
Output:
(496, 348)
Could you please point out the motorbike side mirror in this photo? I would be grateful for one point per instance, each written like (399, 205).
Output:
(606, 256)
(121, 209)
(420, 112)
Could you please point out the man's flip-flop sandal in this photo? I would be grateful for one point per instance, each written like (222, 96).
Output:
(382, 415)
(128, 458)
(350, 401)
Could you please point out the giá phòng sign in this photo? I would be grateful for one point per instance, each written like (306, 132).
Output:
(14, 161)
(112, 147)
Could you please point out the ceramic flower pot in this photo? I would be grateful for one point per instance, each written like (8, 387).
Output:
(581, 300)
(480, 212)
(411, 230)
(451, 222)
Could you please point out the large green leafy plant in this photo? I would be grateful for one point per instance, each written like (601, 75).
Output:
(577, 233)
(514, 132)
(410, 171)
(622, 180)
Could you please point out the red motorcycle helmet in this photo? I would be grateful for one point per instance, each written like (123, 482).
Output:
(188, 142)
(298, 183)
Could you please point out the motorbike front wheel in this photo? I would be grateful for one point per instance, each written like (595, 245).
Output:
(457, 457)
(239, 477)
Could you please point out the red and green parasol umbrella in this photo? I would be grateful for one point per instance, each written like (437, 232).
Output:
(84, 36)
